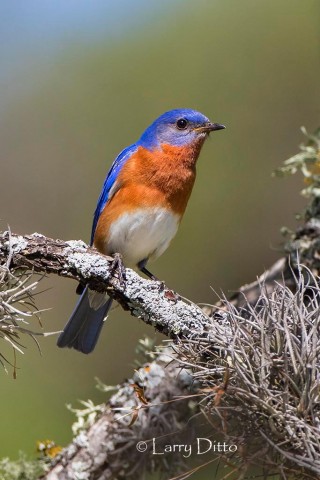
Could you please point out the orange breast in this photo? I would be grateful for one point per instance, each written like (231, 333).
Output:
(169, 172)
(161, 178)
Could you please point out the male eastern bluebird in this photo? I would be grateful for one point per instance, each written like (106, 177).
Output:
(141, 205)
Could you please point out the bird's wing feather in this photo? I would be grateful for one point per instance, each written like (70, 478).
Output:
(109, 183)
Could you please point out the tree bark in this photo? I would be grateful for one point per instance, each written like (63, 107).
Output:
(118, 442)
(150, 301)
(227, 355)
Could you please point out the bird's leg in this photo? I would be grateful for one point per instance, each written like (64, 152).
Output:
(169, 294)
(117, 269)
(142, 267)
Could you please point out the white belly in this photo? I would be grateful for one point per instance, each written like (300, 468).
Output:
(142, 234)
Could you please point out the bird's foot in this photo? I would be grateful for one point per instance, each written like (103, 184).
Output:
(142, 267)
(149, 274)
(169, 294)
(118, 270)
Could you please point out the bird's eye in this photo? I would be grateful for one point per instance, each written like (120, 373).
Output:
(182, 123)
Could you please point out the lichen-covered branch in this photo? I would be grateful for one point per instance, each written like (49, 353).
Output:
(254, 379)
(250, 365)
(115, 440)
(148, 300)
(248, 361)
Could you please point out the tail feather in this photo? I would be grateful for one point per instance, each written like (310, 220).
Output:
(84, 326)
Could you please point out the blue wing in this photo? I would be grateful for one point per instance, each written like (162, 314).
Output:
(109, 182)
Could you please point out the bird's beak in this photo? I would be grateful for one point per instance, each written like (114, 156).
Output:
(214, 126)
(210, 127)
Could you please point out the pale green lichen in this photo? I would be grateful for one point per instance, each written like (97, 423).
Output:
(85, 418)
(77, 244)
(21, 469)
(16, 244)
(307, 162)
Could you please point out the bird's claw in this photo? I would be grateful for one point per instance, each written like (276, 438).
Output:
(118, 270)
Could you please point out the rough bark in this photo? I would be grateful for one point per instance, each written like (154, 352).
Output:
(150, 301)
(106, 448)
(118, 441)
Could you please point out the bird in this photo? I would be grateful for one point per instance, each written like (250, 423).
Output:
(139, 210)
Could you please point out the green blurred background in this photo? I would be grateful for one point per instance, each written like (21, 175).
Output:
(80, 81)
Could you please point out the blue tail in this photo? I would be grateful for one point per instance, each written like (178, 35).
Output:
(83, 329)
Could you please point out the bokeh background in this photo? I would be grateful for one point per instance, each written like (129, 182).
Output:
(81, 80)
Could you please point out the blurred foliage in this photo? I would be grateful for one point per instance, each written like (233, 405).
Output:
(21, 469)
(245, 64)
(307, 162)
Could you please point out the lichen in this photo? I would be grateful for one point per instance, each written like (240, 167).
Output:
(77, 245)
(16, 243)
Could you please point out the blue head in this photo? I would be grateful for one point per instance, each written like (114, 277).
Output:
(180, 127)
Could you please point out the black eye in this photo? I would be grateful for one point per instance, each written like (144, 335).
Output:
(182, 123)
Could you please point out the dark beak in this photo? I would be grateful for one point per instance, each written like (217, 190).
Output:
(213, 126)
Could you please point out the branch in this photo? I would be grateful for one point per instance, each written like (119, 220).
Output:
(147, 300)
(116, 440)
(227, 353)
(251, 364)
(255, 379)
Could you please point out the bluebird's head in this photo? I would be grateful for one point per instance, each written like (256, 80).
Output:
(180, 127)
